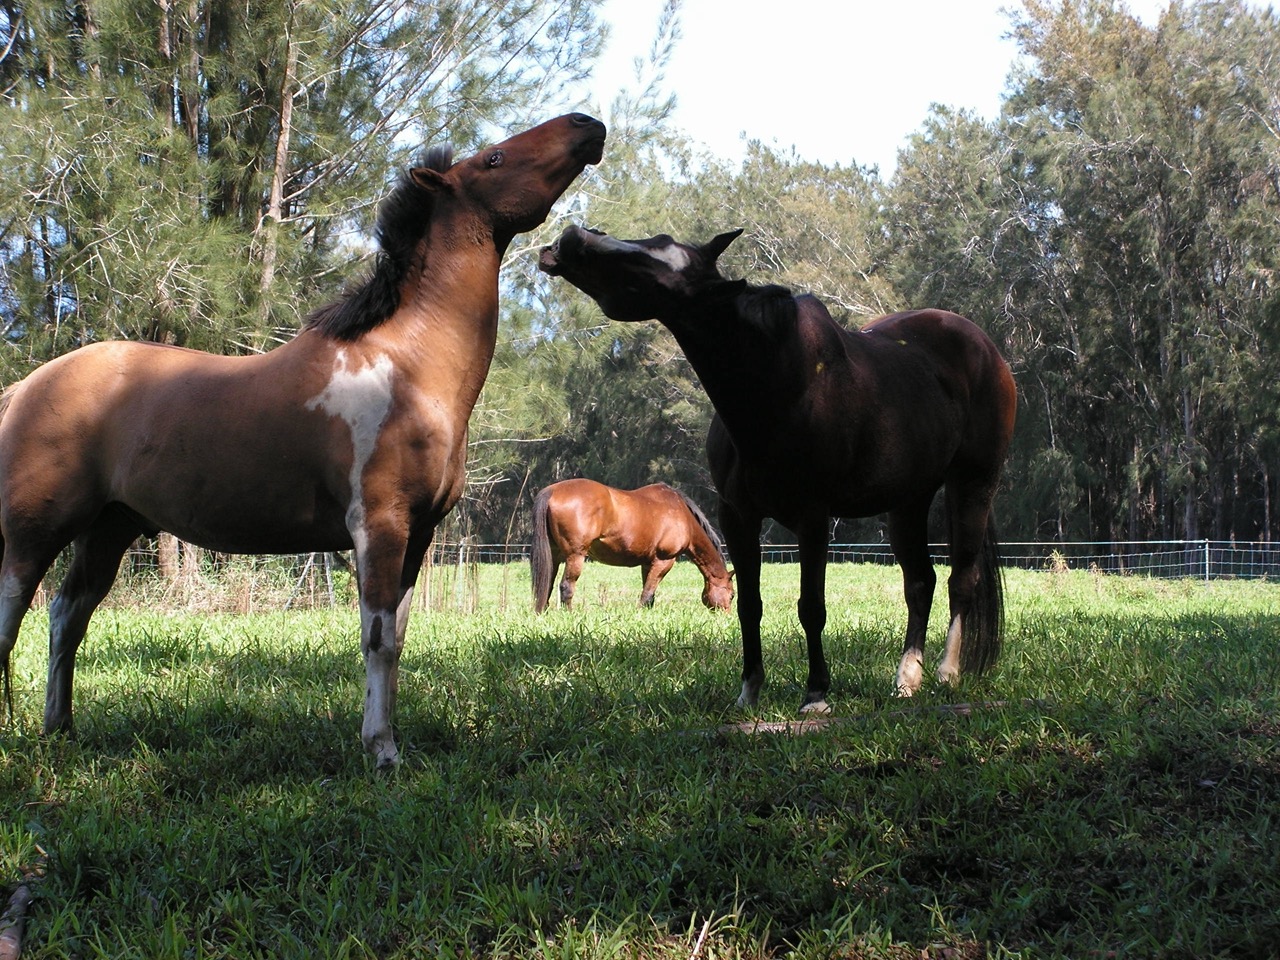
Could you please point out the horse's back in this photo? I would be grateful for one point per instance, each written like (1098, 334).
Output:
(159, 428)
(578, 510)
(660, 522)
(617, 527)
(940, 333)
(958, 354)
(63, 409)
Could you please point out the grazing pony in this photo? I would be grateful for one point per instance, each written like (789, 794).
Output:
(351, 435)
(647, 528)
(814, 421)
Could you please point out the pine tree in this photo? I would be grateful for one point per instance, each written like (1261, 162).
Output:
(201, 172)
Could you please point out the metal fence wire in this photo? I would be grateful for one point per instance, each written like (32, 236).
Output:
(1167, 559)
(309, 579)
(191, 578)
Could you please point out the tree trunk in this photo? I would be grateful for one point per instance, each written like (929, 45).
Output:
(167, 555)
(270, 225)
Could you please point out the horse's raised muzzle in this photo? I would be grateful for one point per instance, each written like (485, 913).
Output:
(592, 149)
(549, 259)
(553, 258)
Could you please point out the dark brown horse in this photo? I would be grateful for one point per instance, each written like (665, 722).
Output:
(649, 528)
(351, 435)
(814, 422)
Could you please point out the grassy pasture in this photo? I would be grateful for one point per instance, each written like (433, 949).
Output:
(568, 791)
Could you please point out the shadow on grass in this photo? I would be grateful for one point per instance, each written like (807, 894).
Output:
(552, 778)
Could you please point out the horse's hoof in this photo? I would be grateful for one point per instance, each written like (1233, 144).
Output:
(819, 707)
(910, 675)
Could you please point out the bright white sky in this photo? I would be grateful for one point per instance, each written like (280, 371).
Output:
(841, 81)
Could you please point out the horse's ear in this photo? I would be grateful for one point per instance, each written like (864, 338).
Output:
(427, 179)
(713, 248)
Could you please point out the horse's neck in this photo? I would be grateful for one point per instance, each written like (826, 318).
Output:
(755, 377)
(703, 552)
(442, 336)
(746, 379)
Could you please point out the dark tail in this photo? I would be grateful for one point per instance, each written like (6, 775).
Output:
(8, 684)
(540, 553)
(5, 677)
(983, 628)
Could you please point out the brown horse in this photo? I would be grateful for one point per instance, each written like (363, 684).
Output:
(647, 528)
(351, 435)
(814, 421)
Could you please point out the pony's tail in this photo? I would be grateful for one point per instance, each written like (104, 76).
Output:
(6, 678)
(983, 627)
(8, 685)
(540, 553)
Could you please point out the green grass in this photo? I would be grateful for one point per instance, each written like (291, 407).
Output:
(567, 791)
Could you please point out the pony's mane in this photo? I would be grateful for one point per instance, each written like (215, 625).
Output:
(404, 217)
(712, 534)
(772, 307)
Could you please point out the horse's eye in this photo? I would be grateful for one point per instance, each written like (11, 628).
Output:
(496, 158)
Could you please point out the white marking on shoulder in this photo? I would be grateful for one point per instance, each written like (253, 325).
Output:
(362, 399)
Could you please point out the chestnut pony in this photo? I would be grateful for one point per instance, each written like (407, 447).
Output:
(649, 528)
(351, 435)
(814, 421)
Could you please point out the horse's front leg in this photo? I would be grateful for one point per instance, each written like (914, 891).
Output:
(812, 608)
(384, 612)
(412, 567)
(742, 538)
(653, 572)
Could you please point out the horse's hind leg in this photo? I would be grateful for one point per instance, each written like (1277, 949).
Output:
(653, 572)
(569, 582)
(969, 513)
(93, 570)
(909, 537)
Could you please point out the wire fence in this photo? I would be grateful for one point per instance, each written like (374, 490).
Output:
(178, 575)
(1166, 559)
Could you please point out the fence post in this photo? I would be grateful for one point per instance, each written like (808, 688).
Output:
(1206, 561)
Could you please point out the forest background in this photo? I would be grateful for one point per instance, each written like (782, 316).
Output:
(206, 173)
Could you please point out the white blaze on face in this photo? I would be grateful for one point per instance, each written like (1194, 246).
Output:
(677, 258)
(361, 398)
(674, 256)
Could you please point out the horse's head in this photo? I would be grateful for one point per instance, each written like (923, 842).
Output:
(718, 592)
(512, 185)
(640, 279)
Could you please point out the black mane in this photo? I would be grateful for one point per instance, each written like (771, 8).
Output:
(712, 534)
(403, 219)
(772, 308)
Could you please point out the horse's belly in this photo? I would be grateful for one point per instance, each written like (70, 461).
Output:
(243, 517)
(271, 536)
(614, 554)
